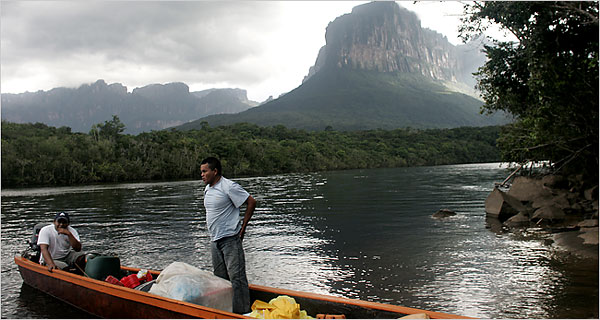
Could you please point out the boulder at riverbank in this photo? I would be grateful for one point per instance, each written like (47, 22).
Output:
(563, 206)
(502, 205)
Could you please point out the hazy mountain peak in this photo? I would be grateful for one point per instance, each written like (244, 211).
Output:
(385, 37)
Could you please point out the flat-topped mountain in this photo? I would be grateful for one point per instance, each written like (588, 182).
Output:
(378, 69)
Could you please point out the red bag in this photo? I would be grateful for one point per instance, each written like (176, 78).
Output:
(148, 277)
(113, 280)
(131, 281)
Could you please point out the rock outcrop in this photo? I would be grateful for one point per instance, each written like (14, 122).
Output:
(551, 200)
(443, 213)
(554, 203)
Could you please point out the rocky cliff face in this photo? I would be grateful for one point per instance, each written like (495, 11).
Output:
(384, 37)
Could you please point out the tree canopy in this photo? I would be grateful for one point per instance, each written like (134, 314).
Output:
(548, 80)
(37, 154)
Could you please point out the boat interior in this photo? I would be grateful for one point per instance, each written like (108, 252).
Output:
(108, 268)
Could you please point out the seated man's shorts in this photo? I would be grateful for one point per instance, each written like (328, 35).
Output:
(69, 260)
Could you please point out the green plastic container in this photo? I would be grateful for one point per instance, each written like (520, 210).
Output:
(100, 267)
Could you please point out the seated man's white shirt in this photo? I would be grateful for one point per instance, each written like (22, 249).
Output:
(58, 244)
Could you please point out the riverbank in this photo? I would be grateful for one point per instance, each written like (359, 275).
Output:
(565, 206)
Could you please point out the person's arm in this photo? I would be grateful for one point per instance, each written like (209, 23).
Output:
(75, 244)
(250, 206)
(47, 257)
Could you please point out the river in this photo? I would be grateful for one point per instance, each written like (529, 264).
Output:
(364, 234)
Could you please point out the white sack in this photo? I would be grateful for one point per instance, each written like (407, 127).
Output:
(184, 282)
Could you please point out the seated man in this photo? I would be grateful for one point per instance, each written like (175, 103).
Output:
(60, 245)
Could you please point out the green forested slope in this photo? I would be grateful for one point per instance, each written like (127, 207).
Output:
(346, 99)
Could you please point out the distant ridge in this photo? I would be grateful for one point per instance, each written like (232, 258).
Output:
(152, 107)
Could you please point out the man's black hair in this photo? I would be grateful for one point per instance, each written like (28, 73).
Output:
(213, 163)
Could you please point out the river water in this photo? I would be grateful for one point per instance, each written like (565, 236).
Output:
(364, 234)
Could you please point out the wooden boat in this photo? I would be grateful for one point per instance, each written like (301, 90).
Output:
(106, 300)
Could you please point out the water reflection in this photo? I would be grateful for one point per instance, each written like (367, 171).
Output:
(34, 304)
(364, 234)
(285, 247)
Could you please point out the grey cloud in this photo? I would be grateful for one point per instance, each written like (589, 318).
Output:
(205, 37)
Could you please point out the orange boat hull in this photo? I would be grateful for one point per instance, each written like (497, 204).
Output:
(106, 300)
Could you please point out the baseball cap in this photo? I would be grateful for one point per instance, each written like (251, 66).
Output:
(62, 215)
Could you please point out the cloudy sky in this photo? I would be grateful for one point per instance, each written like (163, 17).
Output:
(265, 47)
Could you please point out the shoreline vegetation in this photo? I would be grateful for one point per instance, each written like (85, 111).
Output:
(38, 155)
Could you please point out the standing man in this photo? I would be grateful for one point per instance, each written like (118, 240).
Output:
(60, 245)
(222, 200)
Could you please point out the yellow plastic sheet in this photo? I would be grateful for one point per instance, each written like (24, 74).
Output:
(282, 307)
